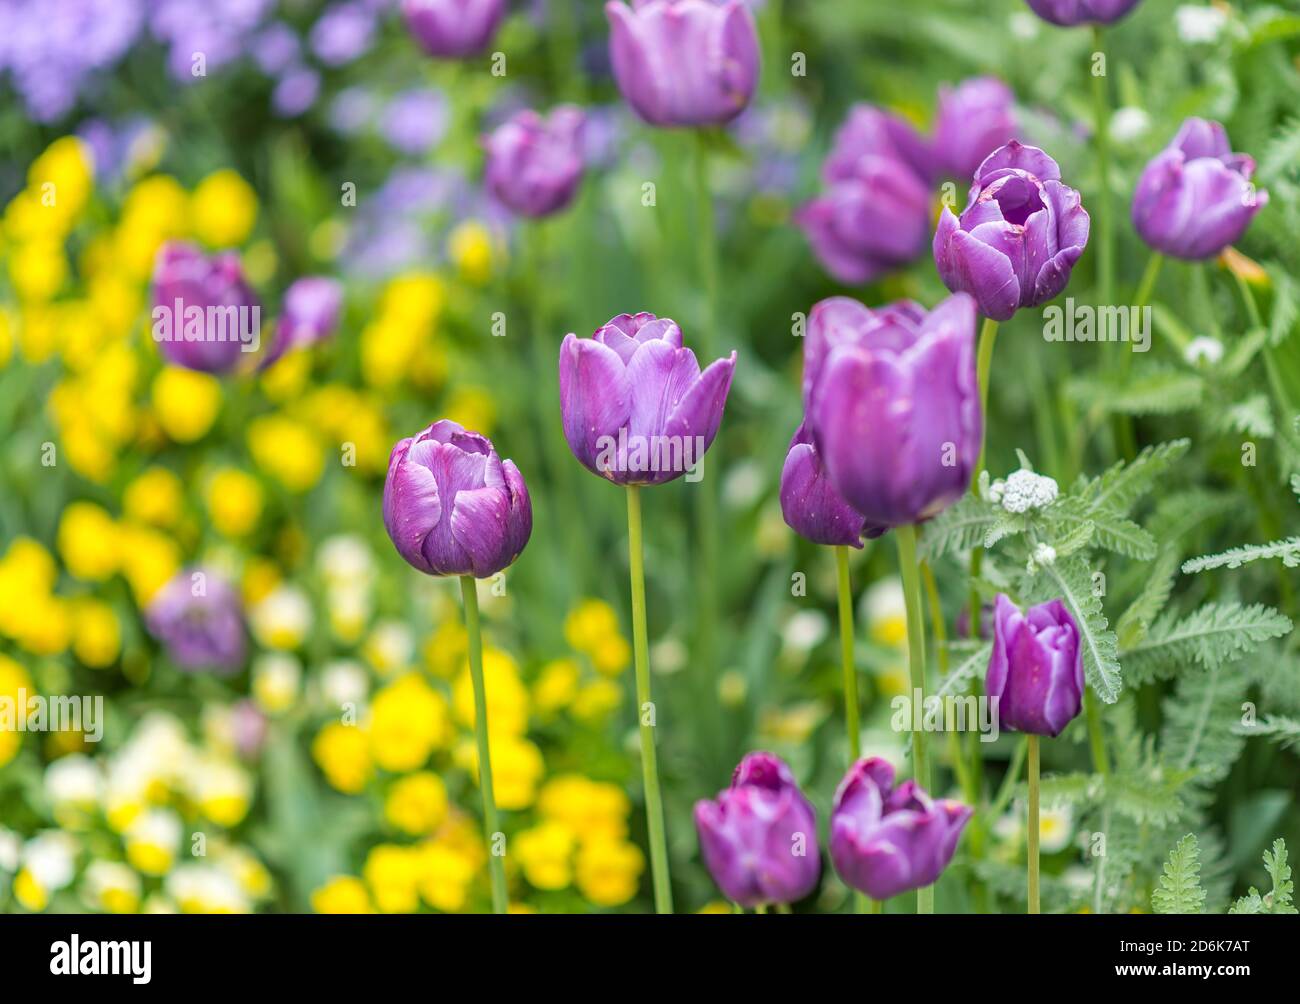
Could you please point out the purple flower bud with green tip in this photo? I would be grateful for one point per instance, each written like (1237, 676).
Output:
(205, 316)
(1195, 197)
(1018, 237)
(810, 504)
(1069, 13)
(310, 314)
(886, 840)
(452, 506)
(974, 119)
(759, 837)
(684, 62)
(453, 29)
(198, 618)
(534, 164)
(636, 408)
(894, 406)
(1036, 669)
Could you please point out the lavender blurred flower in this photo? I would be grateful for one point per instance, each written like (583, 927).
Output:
(886, 840)
(534, 163)
(1068, 13)
(1195, 197)
(1036, 669)
(452, 506)
(296, 92)
(275, 48)
(310, 314)
(974, 119)
(635, 406)
(453, 29)
(344, 32)
(198, 618)
(684, 62)
(218, 30)
(415, 121)
(759, 837)
(204, 313)
(1019, 236)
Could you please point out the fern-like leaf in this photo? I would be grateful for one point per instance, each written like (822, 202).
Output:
(1281, 729)
(1278, 901)
(1124, 483)
(1212, 635)
(960, 527)
(1288, 550)
(1180, 886)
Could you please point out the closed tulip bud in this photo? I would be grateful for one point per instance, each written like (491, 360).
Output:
(1036, 669)
(1018, 237)
(1195, 197)
(810, 504)
(310, 314)
(974, 119)
(684, 62)
(636, 407)
(886, 840)
(894, 409)
(875, 213)
(205, 316)
(198, 618)
(534, 164)
(1068, 13)
(452, 506)
(759, 837)
(453, 29)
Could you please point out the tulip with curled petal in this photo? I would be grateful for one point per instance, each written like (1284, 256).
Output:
(534, 163)
(1036, 668)
(214, 317)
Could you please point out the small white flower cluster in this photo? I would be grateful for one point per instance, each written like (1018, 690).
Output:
(1199, 24)
(1044, 554)
(1203, 350)
(1024, 490)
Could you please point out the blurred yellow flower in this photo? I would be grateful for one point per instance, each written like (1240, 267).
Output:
(287, 450)
(474, 252)
(590, 623)
(234, 501)
(507, 697)
(556, 685)
(609, 871)
(472, 407)
(596, 701)
(149, 559)
(96, 635)
(545, 853)
(185, 402)
(446, 875)
(417, 803)
(517, 766)
(87, 541)
(155, 496)
(444, 652)
(61, 179)
(223, 209)
(152, 840)
(393, 874)
(612, 656)
(38, 270)
(342, 894)
(276, 680)
(591, 809)
(112, 887)
(343, 754)
(13, 678)
(408, 721)
(221, 789)
(415, 298)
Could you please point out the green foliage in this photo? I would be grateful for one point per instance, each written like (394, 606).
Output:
(1288, 550)
(1278, 900)
(1180, 886)
(1215, 634)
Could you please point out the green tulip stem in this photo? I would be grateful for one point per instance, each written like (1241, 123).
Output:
(1032, 830)
(1101, 137)
(654, 808)
(983, 365)
(908, 569)
(496, 862)
(846, 654)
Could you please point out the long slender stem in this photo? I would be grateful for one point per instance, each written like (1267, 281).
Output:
(1101, 136)
(907, 567)
(496, 863)
(654, 808)
(1032, 835)
(1008, 787)
(846, 654)
(983, 365)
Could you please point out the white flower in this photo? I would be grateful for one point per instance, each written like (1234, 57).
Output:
(343, 682)
(390, 647)
(203, 888)
(275, 681)
(103, 879)
(804, 630)
(345, 560)
(283, 619)
(1025, 490)
(11, 847)
(1199, 24)
(51, 858)
(1203, 351)
(1024, 25)
(1044, 554)
(1129, 123)
(73, 781)
(1055, 828)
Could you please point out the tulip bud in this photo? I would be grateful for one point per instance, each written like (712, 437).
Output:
(204, 314)
(886, 840)
(309, 315)
(894, 409)
(1195, 197)
(759, 837)
(198, 618)
(974, 119)
(534, 164)
(1018, 237)
(453, 29)
(1036, 669)
(452, 506)
(684, 62)
(636, 408)
(1069, 13)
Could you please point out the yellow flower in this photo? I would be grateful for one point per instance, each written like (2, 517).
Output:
(414, 298)
(444, 652)
(276, 678)
(87, 541)
(472, 407)
(155, 497)
(589, 624)
(149, 559)
(261, 576)
(62, 178)
(343, 754)
(185, 402)
(48, 627)
(13, 678)
(556, 685)
(446, 874)
(393, 874)
(612, 655)
(417, 804)
(473, 251)
(389, 347)
(287, 450)
(342, 894)
(222, 790)
(223, 209)
(152, 840)
(609, 871)
(38, 270)
(715, 906)
(96, 635)
(596, 701)
(545, 853)
(507, 697)
(29, 892)
(234, 500)
(517, 766)
(592, 809)
(408, 721)
(112, 887)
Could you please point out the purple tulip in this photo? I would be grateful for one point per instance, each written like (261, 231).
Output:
(453, 29)
(1036, 669)
(974, 119)
(1069, 13)
(809, 502)
(886, 840)
(684, 62)
(534, 164)
(894, 409)
(875, 213)
(452, 506)
(759, 837)
(1018, 237)
(310, 314)
(636, 408)
(198, 618)
(1195, 197)
(204, 314)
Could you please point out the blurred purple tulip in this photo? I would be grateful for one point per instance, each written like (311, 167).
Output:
(309, 315)
(1068, 13)
(886, 840)
(1195, 197)
(894, 406)
(635, 406)
(684, 62)
(452, 506)
(875, 213)
(759, 837)
(810, 504)
(1036, 669)
(974, 119)
(1018, 237)
(453, 29)
(197, 616)
(204, 313)
(534, 163)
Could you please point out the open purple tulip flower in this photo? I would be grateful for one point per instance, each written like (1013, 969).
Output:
(453, 29)
(885, 840)
(1036, 669)
(1018, 238)
(198, 618)
(636, 408)
(1195, 197)
(452, 506)
(759, 837)
(1069, 13)
(684, 62)
(205, 315)
(974, 119)
(534, 163)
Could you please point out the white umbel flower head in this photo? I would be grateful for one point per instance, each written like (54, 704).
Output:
(1199, 24)
(1203, 351)
(1024, 490)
